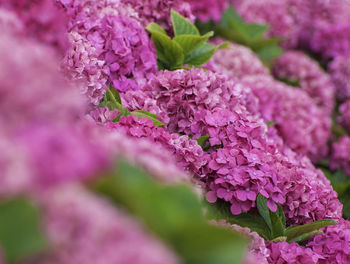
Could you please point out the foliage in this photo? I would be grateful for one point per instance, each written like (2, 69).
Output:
(173, 213)
(113, 102)
(20, 234)
(187, 48)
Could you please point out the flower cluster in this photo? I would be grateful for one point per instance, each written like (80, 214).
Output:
(298, 67)
(243, 161)
(159, 11)
(334, 244)
(237, 61)
(84, 228)
(302, 125)
(208, 9)
(344, 118)
(282, 23)
(189, 156)
(42, 20)
(181, 94)
(285, 253)
(339, 69)
(108, 47)
(332, 41)
(340, 154)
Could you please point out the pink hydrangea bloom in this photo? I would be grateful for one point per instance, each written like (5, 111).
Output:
(140, 100)
(59, 153)
(339, 69)
(303, 126)
(29, 79)
(334, 244)
(313, 15)
(340, 156)
(42, 20)
(208, 9)
(108, 48)
(285, 253)
(188, 155)
(296, 66)
(84, 228)
(332, 40)
(237, 61)
(195, 90)
(243, 161)
(344, 118)
(10, 22)
(158, 11)
(282, 23)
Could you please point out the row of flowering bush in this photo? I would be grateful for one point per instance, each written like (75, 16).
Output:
(174, 131)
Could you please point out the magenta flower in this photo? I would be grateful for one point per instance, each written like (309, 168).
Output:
(158, 11)
(339, 69)
(334, 244)
(344, 118)
(340, 158)
(243, 161)
(285, 253)
(237, 61)
(301, 124)
(298, 67)
(208, 9)
(107, 47)
(282, 23)
(42, 21)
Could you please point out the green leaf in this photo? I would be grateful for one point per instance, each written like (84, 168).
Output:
(148, 115)
(281, 215)
(306, 236)
(270, 53)
(254, 32)
(264, 211)
(182, 26)
(154, 27)
(230, 16)
(189, 43)
(277, 222)
(169, 52)
(174, 214)
(293, 232)
(221, 210)
(270, 123)
(224, 45)
(202, 140)
(113, 100)
(201, 55)
(20, 234)
(339, 180)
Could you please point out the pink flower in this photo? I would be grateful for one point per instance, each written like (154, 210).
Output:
(282, 23)
(296, 66)
(107, 47)
(339, 69)
(208, 9)
(334, 244)
(237, 61)
(340, 158)
(285, 253)
(42, 20)
(158, 11)
(344, 118)
(299, 121)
